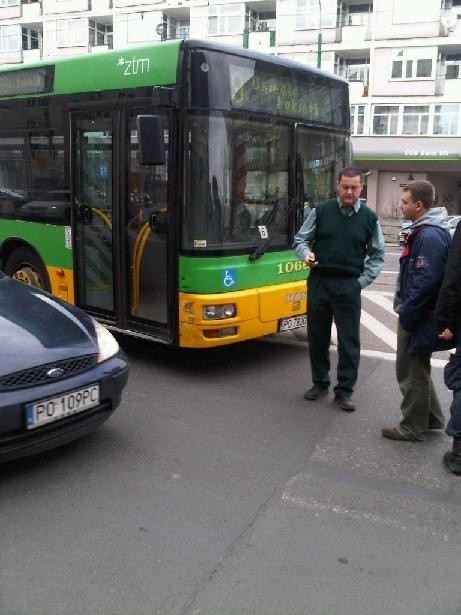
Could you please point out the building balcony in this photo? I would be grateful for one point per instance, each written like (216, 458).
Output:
(11, 57)
(31, 55)
(101, 6)
(31, 10)
(261, 40)
(10, 12)
(98, 48)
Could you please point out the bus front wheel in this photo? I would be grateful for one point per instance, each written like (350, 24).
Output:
(24, 265)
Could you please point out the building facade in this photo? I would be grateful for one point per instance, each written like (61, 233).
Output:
(402, 60)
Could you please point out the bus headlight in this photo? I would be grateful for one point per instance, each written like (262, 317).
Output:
(219, 312)
(108, 345)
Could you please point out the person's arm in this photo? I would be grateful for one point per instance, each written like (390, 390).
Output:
(375, 257)
(429, 254)
(304, 237)
(448, 307)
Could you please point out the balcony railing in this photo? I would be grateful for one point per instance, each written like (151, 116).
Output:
(355, 19)
(180, 34)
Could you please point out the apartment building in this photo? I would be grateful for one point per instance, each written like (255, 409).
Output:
(402, 60)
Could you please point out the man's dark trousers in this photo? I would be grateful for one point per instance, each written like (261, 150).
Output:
(339, 298)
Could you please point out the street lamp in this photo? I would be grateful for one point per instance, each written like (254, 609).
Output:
(319, 38)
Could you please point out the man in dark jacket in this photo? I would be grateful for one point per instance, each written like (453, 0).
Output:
(448, 321)
(422, 267)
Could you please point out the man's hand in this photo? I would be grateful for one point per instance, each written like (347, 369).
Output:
(310, 260)
(446, 335)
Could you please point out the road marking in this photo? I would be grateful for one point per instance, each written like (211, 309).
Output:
(319, 507)
(385, 334)
(390, 356)
(381, 300)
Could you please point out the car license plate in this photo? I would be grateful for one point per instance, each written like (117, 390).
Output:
(294, 322)
(55, 408)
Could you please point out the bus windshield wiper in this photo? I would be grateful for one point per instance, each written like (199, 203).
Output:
(258, 251)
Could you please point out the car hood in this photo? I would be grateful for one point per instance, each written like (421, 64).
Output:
(36, 328)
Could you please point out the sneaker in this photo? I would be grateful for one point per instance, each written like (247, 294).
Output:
(452, 461)
(344, 402)
(394, 434)
(435, 425)
(316, 392)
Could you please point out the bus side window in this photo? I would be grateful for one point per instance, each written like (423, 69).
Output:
(151, 146)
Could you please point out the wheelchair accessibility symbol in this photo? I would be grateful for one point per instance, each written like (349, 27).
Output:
(230, 278)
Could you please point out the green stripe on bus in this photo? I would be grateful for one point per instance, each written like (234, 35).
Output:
(231, 273)
(48, 240)
(140, 66)
(131, 68)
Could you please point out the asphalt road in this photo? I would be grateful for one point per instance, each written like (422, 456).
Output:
(216, 489)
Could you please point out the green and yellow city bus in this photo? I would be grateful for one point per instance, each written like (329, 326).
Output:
(159, 187)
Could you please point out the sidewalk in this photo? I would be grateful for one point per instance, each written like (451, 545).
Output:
(367, 527)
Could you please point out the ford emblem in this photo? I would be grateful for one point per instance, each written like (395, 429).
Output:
(55, 372)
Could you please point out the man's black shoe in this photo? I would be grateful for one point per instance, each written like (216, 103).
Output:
(316, 392)
(344, 402)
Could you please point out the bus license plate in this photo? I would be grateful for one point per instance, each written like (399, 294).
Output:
(55, 408)
(295, 322)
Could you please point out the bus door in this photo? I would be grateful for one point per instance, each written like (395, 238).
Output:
(121, 223)
(150, 302)
(93, 188)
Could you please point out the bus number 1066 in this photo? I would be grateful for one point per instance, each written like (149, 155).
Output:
(290, 266)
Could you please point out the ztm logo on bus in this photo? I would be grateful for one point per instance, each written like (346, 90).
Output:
(135, 66)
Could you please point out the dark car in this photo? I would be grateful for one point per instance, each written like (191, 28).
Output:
(61, 372)
(403, 233)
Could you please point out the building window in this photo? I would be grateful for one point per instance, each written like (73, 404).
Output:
(72, 32)
(453, 63)
(411, 69)
(100, 34)
(308, 15)
(385, 119)
(6, 3)
(446, 119)
(10, 38)
(358, 119)
(423, 68)
(225, 19)
(415, 120)
(30, 39)
(355, 70)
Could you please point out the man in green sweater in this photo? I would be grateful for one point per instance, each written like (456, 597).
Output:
(342, 243)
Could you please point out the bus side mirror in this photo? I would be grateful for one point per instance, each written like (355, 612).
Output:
(151, 146)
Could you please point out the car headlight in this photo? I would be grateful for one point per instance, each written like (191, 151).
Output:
(108, 345)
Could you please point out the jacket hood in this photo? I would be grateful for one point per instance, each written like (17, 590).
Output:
(436, 216)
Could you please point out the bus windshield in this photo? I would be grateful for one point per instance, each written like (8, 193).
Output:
(238, 177)
(238, 170)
